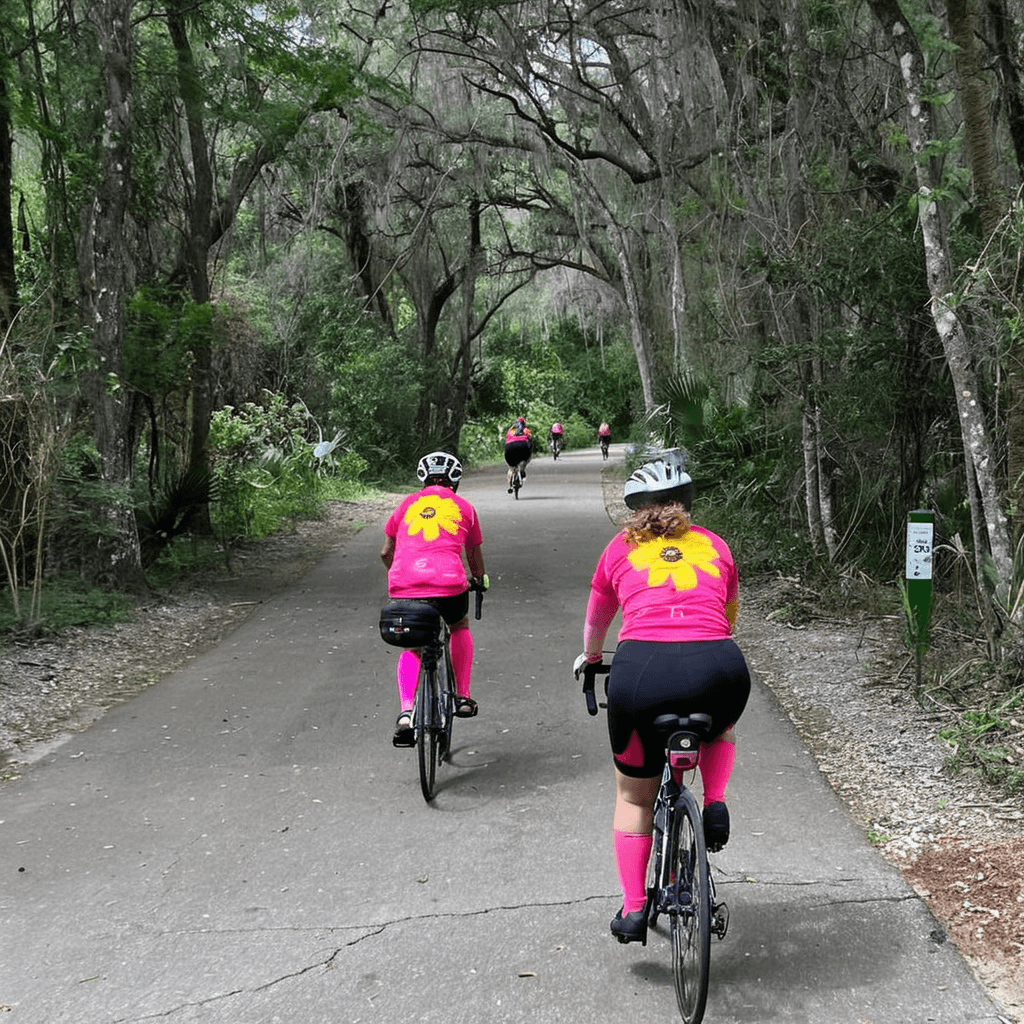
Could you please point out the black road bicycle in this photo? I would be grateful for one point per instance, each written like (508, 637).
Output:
(421, 626)
(605, 442)
(680, 884)
(517, 479)
(556, 447)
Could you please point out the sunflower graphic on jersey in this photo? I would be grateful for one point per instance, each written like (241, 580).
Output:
(676, 559)
(430, 514)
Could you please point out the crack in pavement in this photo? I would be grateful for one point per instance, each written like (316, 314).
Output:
(328, 961)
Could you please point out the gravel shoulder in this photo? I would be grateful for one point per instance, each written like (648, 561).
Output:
(841, 681)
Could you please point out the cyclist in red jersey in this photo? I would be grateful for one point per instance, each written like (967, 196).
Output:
(423, 543)
(678, 589)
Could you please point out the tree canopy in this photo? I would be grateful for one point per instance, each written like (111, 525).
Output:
(782, 235)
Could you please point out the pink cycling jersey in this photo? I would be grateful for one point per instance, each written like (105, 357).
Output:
(669, 589)
(431, 527)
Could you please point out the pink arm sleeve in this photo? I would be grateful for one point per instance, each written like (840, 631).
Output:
(601, 609)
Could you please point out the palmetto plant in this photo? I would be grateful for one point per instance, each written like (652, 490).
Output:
(685, 410)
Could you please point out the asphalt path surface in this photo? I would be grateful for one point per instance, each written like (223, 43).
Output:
(241, 843)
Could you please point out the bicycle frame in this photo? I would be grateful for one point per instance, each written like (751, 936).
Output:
(434, 709)
(680, 883)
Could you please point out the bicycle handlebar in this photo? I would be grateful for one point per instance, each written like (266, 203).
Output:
(590, 671)
(479, 588)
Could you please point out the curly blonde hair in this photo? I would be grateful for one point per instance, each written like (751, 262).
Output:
(656, 521)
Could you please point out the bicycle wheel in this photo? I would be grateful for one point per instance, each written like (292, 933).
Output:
(426, 731)
(446, 709)
(517, 482)
(690, 911)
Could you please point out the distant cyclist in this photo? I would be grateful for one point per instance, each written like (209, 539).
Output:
(555, 438)
(604, 437)
(423, 543)
(518, 448)
(677, 586)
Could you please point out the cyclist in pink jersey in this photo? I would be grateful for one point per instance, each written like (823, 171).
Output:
(423, 543)
(518, 448)
(555, 438)
(678, 589)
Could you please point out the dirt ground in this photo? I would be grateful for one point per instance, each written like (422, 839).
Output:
(958, 842)
(975, 890)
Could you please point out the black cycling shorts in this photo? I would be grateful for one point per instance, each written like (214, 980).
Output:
(453, 609)
(649, 679)
(517, 452)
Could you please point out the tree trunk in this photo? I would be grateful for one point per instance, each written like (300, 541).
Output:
(974, 102)
(637, 321)
(799, 319)
(978, 446)
(8, 281)
(1004, 34)
(981, 154)
(104, 273)
(197, 246)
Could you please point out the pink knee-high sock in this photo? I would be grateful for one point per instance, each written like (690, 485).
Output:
(716, 762)
(632, 852)
(461, 645)
(408, 678)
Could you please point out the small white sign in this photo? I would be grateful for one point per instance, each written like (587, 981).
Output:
(919, 551)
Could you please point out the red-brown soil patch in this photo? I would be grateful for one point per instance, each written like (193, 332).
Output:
(977, 890)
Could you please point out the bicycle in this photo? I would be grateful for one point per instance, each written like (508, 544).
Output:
(556, 447)
(412, 623)
(680, 884)
(605, 442)
(517, 480)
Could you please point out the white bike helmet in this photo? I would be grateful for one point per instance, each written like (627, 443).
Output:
(440, 468)
(658, 482)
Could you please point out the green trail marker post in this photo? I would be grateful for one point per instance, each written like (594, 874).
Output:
(920, 532)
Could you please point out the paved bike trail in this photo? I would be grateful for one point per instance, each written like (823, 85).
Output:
(241, 843)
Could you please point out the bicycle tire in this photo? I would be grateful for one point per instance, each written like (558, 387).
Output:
(446, 709)
(690, 914)
(516, 484)
(426, 732)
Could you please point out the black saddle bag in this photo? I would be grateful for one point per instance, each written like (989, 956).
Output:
(409, 623)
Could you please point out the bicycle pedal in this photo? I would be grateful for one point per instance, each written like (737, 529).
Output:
(720, 920)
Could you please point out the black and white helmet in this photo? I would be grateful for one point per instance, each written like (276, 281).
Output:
(440, 468)
(660, 481)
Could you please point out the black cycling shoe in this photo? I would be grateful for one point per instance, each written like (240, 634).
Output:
(632, 927)
(716, 826)
(404, 736)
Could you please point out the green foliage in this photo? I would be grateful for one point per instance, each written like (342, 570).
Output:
(74, 527)
(737, 457)
(351, 372)
(374, 392)
(564, 375)
(177, 561)
(989, 740)
(65, 602)
(169, 511)
(263, 468)
(162, 331)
